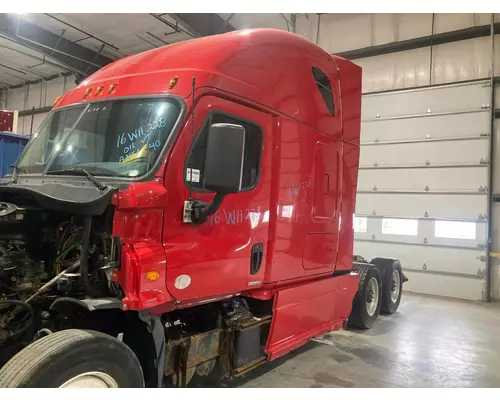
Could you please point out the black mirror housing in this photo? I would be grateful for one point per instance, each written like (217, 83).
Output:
(223, 172)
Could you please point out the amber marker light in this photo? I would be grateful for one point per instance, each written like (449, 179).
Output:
(152, 276)
(57, 100)
(112, 88)
(99, 90)
(87, 92)
(173, 82)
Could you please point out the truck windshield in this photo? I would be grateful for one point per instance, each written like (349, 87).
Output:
(122, 138)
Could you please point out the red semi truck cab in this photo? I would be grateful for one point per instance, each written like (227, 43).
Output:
(214, 176)
(300, 108)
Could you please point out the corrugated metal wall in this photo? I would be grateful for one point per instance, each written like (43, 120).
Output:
(445, 63)
(37, 95)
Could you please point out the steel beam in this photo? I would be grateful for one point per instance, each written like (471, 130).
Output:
(35, 111)
(81, 60)
(425, 41)
(34, 82)
(204, 24)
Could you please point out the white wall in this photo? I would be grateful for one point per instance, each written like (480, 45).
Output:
(3, 99)
(342, 32)
(37, 95)
(451, 62)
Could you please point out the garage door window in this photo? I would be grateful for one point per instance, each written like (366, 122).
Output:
(455, 230)
(325, 88)
(360, 224)
(394, 226)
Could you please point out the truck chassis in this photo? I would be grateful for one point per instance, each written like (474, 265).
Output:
(228, 337)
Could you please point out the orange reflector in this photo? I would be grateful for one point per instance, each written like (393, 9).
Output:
(57, 100)
(99, 90)
(173, 82)
(87, 92)
(112, 88)
(152, 276)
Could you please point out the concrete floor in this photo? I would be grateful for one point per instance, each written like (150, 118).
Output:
(429, 342)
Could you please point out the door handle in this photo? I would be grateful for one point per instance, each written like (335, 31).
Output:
(256, 258)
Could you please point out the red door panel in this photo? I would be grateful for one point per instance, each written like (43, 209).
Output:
(213, 259)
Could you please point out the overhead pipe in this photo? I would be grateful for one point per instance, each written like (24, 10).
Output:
(89, 35)
(61, 52)
(317, 30)
(176, 27)
(157, 38)
(12, 69)
(73, 56)
(42, 60)
(34, 82)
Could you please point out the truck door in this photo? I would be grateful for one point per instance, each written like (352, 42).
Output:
(225, 254)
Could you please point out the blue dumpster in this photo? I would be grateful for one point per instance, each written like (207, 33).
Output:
(11, 146)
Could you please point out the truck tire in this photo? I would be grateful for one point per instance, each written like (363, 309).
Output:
(392, 283)
(366, 303)
(73, 358)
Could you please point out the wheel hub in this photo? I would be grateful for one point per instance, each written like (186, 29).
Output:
(395, 285)
(372, 296)
(94, 379)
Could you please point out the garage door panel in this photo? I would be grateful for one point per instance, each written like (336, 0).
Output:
(446, 286)
(438, 153)
(424, 161)
(420, 101)
(417, 205)
(433, 127)
(440, 179)
(432, 260)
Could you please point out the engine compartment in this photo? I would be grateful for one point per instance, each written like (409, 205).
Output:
(46, 255)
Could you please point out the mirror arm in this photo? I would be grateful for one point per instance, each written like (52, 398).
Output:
(201, 210)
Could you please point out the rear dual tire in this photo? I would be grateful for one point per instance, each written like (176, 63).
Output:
(367, 301)
(392, 283)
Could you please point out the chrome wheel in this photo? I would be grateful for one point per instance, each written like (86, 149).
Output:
(94, 379)
(395, 285)
(372, 296)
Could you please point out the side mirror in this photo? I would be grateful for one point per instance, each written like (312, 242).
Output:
(223, 172)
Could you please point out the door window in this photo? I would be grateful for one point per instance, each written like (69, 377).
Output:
(251, 161)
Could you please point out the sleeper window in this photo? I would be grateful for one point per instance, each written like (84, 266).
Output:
(325, 88)
(251, 161)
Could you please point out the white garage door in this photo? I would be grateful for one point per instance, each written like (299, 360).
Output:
(422, 187)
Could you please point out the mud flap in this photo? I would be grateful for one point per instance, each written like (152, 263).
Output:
(155, 327)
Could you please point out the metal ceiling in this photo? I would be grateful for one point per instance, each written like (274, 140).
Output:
(36, 47)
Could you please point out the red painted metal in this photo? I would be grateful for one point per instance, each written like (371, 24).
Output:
(138, 222)
(307, 310)
(6, 121)
(301, 208)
